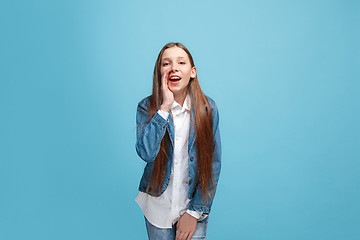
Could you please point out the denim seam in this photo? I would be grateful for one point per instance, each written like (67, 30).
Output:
(159, 142)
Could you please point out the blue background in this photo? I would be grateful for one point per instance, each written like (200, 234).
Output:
(284, 74)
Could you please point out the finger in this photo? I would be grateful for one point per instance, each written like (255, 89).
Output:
(163, 82)
(180, 236)
(185, 236)
(177, 237)
(165, 78)
(190, 235)
(165, 75)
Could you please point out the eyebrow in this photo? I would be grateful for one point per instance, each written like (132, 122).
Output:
(170, 59)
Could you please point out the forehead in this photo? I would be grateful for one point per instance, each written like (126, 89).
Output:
(174, 53)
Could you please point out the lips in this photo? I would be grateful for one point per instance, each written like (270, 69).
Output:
(174, 78)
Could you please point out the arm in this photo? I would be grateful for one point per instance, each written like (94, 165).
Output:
(149, 135)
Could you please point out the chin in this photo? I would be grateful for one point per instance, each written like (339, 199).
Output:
(174, 90)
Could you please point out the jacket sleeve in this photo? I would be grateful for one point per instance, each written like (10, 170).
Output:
(149, 135)
(196, 203)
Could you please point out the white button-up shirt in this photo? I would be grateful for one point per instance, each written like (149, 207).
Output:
(165, 210)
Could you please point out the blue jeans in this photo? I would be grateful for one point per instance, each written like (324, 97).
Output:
(155, 233)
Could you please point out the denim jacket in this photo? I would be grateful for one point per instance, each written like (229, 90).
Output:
(149, 136)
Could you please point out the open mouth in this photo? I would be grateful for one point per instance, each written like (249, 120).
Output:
(175, 79)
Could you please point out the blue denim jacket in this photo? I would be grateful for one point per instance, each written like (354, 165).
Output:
(148, 141)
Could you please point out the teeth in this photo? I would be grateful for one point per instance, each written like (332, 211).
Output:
(173, 78)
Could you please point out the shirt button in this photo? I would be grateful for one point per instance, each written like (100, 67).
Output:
(190, 181)
(192, 158)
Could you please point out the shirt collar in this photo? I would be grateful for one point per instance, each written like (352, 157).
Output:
(186, 105)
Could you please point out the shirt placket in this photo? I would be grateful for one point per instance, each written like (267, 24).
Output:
(177, 163)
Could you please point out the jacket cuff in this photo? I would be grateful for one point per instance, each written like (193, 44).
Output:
(199, 208)
(158, 118)
(164, 114)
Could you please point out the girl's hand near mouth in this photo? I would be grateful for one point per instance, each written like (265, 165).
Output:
(168, 96)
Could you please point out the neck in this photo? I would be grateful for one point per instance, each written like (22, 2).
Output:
(180, 97)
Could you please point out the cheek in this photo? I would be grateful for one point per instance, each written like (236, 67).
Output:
(188, 71)
(186, 82)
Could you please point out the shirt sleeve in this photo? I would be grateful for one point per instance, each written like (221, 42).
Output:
(164, 114)
(195, 214)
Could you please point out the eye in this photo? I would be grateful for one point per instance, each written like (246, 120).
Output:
(164, 64)
(182, 62)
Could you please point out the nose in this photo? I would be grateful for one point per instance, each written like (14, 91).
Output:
(174, 67)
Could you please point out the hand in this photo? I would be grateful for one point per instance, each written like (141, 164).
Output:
(185, 227)
(168, 96)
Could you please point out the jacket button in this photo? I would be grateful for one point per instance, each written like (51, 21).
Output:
(192, 158)
(190, 181)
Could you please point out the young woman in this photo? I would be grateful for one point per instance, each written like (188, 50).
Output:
(178, 137)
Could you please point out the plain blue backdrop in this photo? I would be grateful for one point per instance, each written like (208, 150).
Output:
(284, 74)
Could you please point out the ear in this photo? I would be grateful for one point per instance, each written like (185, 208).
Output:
(193, 72)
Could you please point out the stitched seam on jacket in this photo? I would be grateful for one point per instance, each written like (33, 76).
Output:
(160, 122)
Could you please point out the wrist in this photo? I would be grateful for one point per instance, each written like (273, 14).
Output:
(165, 107)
